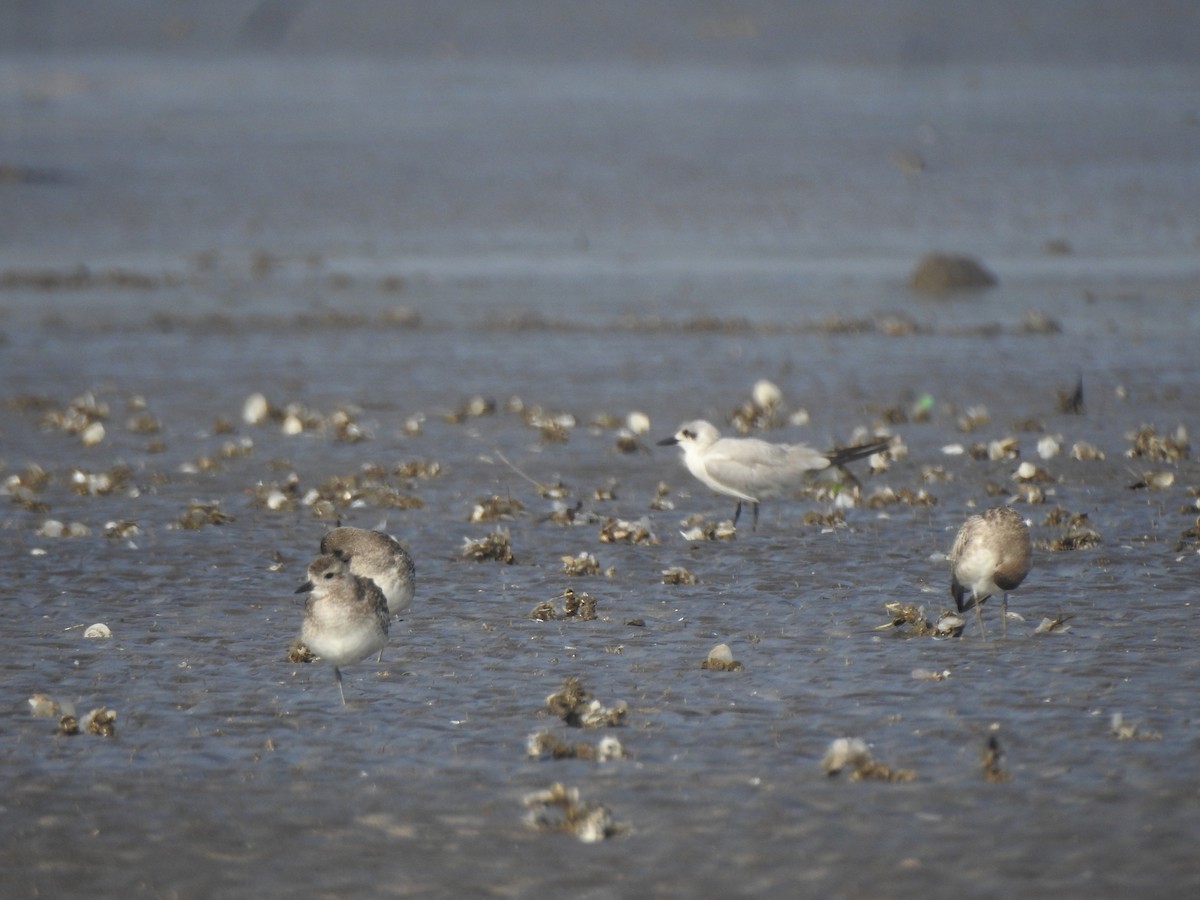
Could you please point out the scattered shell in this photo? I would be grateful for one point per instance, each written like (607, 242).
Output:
(697, 528)
(1005, 448)
(68, 725)
(101, 721)
(720, 659)
(853, 754)
(574, 606)
(1058, 623)
(256, 409)
(572, 704)
(678, 575)
(1027, 471)
(974, 417)
(638, 423)
(621, 531)
(544, 745)
(121, 529)
(495, 507)
(1128, 731)
(198, 515)
(99, 630)
(92, 435)
(54, 528)
(495, 546)
(1048, 446)
(299, 653)
(559, 808)
(1149, 445)
(583, 564)
(1082, 450)
(43, 706)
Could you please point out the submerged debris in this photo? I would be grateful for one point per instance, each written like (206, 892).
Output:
(990, 763)
(583, 564)
(495, 507)
(697, 528)
(101, 721)
(1128, 731)
(720, 659)
(560, 808)
(574, 606)
(678, 575)
(299, 653)
(853, 754)
(615, 531)
(545, 745)
(948, 624)
(1149, 445)
(495, 546)
(198, 515)
(942, 273)
(572, 704)
(1058, 623)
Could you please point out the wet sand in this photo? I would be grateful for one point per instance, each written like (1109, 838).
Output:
(395, 237)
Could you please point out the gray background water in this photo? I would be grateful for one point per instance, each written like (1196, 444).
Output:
(633, 206)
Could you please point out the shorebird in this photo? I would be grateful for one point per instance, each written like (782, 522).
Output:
(991, 555)
(751, 469)
(378, 556)
(345, 616)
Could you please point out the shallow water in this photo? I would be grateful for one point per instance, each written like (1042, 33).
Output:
(234, 771)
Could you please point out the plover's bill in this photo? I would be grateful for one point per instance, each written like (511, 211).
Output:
(991, 555)
(378, 556)
(345, 616)
(751, 469)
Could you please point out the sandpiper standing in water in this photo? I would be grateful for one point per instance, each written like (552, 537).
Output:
(378, 556)
(991, 555)
(751, 469)
(345, 616)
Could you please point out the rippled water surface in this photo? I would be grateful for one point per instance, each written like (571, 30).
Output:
(235, 772)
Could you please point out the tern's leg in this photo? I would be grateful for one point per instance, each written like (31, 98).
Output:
(979, 616)
(737, 513)
(1004, 615)
(754, 527)
(337, 673)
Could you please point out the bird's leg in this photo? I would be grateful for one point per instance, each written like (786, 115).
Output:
(1004, 616)
(737, 513)
(979, 616)
(337, 674)
(754, 527)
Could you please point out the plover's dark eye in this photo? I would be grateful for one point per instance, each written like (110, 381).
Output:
(329, 574)
(688, 434)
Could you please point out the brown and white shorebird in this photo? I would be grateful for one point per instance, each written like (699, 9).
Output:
(991, 555)
(345, 616)
(378, 556)
(751, 469)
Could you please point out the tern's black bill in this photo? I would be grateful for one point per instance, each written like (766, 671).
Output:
(667, 442)
(304, 588)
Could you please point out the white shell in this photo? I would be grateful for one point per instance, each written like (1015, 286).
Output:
(99, 630)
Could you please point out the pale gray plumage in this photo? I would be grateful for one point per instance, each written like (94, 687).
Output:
(991, 555)
(751, 469)
(345, 616)
(378, 556)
